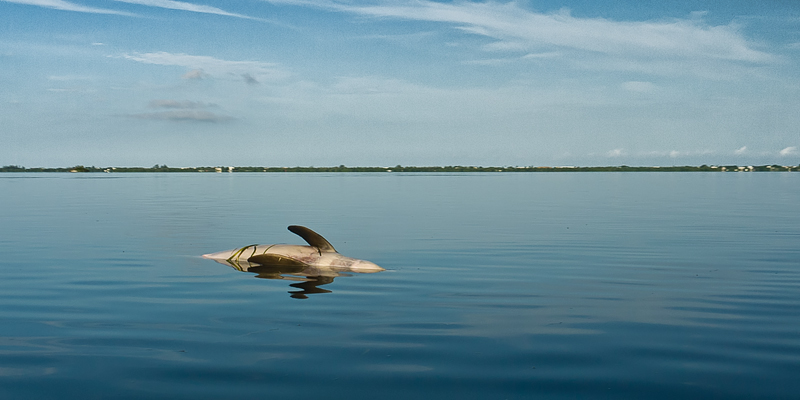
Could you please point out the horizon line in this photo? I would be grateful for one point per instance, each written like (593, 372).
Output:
(400, 168)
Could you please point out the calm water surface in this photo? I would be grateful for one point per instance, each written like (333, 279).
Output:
(498, 286)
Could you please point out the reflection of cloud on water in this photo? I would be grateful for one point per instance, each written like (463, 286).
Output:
(588, 305)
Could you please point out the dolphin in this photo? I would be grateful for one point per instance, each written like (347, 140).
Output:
(273, 261)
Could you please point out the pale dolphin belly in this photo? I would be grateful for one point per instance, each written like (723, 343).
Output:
(307, 255)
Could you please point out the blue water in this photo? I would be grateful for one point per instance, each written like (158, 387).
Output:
(498, 286)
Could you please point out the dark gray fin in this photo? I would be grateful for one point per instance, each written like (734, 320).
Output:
(276, 260)
(313, 238)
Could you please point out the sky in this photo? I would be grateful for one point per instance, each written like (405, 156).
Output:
(409, 82)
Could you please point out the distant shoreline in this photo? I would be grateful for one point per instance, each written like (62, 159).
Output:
(399, 168)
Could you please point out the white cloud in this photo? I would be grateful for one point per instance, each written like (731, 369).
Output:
(616, 153)
(72, 89)
(517, 28)
(536, 56)
(184, 6)
(666, 153)
(741, 150)
(530, 56)
(169, 4)
(67, 78)
(67, 6)
(202, 66)
(789, 151)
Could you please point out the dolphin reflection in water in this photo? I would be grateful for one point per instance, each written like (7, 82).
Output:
(312, 266)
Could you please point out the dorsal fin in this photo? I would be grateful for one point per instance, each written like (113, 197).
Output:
(313, 238)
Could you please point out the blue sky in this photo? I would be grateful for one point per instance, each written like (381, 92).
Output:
(386, 82)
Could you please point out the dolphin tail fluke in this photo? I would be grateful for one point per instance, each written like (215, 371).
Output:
(312, 238)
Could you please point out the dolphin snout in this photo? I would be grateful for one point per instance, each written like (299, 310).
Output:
(365, 267)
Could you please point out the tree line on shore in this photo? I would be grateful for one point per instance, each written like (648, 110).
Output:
(399, 168)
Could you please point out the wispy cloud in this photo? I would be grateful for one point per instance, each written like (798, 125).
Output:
(616, 153)
(683, 153)
(69, 90)
(169, 4)
(506, 60)
(789, 151)
(202, 66)
(67, 6)
(740, 150)
(660, 153)
(516, 28)
(67, 78)
(539, 56)
(184, 6)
